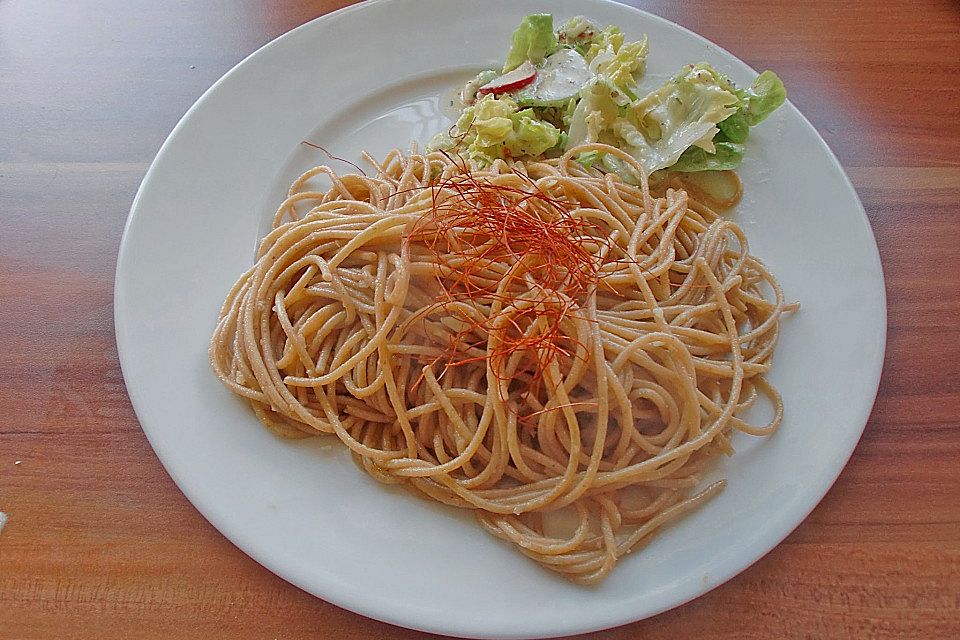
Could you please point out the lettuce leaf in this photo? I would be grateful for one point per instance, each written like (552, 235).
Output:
(610, 36)
(735, 128)
(726, 155)
(530, 136)
(594, 114)
(578, 32)
(623, 64)
(589, 158)
(609, 164)
(683, 113)
(533, 40)
(495, 128)
(607, 52)
(659, 128)
(764, 96)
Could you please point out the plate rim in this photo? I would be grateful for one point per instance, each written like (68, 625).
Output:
(124, 352)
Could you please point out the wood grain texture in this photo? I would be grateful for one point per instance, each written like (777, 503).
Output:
(101, 544)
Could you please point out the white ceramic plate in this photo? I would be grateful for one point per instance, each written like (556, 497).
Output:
(373, 77)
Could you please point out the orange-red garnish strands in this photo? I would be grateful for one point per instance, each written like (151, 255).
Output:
(476, 224)
(333, 157)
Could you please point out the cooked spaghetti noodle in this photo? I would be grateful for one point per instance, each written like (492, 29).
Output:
(559, 351)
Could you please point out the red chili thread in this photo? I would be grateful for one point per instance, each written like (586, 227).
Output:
(474, 224)
(333, 157)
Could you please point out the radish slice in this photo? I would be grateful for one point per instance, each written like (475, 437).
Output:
(519, 77)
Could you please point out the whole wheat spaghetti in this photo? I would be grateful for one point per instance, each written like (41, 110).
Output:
(559, 351)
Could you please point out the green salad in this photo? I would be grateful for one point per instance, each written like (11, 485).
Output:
(559, 88)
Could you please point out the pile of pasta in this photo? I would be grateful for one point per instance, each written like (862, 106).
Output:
(559, 351)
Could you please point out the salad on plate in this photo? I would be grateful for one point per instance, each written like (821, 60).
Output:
(580, 83)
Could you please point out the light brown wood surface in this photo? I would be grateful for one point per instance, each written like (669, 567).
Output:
(101, 544)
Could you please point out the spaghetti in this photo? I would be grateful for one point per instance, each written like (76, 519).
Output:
(541, 343)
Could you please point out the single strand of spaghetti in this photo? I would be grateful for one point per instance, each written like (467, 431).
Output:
(669, 514)
(298, 291)
(774, 422)
(658, 504)
(628, 432)
(293, 338)
(510, 528)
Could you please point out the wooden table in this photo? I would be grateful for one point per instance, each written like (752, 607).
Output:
(101, 544)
